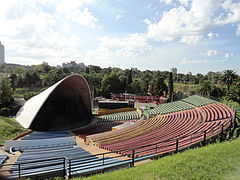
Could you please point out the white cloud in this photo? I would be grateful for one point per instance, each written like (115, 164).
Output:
(238, 30)
(167, 2)
(148, 6)
(119, 16)
(191, 23)
(210, 52)
(191, 39)
(76, 12)
(232, 10)
(117, 48)
(198, 61)
(30, 33)
(184, 2)
(212, 35)
(129, 46)
(147, 21)
(228, 55)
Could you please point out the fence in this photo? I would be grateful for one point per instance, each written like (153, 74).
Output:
(63, 166)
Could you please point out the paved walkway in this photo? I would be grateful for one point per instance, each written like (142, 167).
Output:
(96, 150)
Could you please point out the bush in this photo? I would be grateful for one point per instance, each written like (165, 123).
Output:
(28, 95)
(5, 111)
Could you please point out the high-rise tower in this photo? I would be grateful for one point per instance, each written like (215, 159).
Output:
(2, 54)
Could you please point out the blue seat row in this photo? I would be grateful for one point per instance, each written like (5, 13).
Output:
(46, 135)
(3, 158)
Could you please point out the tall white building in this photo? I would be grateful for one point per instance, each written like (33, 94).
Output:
(2, 55)
(173, 70)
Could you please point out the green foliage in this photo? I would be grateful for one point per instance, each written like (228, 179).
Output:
(228, 78)
(110, 84)
(134, 87)
(208, 89)
(28, 95)
(6, 91)
(5, 111)
(205, 88)
(218, 161)
(9, 128)
(129, 79)
(170, 86)
(54, 76)
(159, 87)
(234, 92)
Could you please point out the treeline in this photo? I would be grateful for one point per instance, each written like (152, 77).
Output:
(103, 81)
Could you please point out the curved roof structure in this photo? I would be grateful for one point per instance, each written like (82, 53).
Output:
(65, 105)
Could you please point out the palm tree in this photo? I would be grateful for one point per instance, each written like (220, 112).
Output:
(234, 93)
(205, 88)
(228, 78)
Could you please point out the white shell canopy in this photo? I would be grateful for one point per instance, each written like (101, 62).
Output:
(64, 105)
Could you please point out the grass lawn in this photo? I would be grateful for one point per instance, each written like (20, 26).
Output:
(217, 161)
(9, 128)
(187, 88)
(19, 92)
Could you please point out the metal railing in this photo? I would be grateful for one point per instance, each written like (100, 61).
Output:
(63, 166)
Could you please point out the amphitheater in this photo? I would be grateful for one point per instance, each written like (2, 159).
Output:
(83, 143)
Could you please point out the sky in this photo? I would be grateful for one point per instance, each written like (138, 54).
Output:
(195, 36)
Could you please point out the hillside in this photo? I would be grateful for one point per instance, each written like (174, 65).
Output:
(188, 89)
(217, 161)
(9, 128)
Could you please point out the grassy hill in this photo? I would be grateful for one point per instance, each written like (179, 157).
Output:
(9, 128)
(186, 88)
(217, 161)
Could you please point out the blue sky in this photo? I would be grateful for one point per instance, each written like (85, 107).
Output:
(192, 35)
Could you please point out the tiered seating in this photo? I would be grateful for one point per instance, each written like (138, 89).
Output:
(42, 153)
(39, 143)
(46, 135)
(178, 125)
(44, 159)
(95, 129)
(198, 100)
(168, 108)
(106, 122)
(119, 117)
(216, 111)
(190, 138)
(3, 158)
(140, 127)
(174, 125)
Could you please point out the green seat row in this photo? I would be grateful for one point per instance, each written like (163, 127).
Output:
(198, 100)
(168, 108)
(121, 116)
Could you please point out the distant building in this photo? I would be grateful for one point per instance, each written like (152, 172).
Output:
(73, 65)
(173, 70)
(2, 54)
(134, 69)
(81, 65)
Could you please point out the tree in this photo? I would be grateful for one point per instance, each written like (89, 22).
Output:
(234, 93)
(129, 79)
(170, 86)
(54, 76)
(205, 88)
(13, 80)
(228, 78)
(6, 91)
(159, 86)
(134, 87)
(110, 84)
